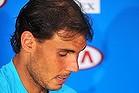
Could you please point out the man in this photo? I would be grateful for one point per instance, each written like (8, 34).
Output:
(49, 36)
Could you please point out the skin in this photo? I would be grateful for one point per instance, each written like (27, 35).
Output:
(46, 65)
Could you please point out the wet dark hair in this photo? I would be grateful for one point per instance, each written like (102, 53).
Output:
(44, 18)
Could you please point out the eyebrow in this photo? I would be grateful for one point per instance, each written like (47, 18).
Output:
(67, 50)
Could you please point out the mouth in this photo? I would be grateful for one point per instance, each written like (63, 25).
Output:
(61, 79)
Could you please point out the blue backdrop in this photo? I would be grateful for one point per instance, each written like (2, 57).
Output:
(116, 36)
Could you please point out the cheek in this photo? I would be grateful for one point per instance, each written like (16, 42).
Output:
(38, 63)
(58, 65)
(52, 64)
(48, 62)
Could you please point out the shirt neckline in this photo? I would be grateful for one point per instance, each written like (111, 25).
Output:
(17, 81)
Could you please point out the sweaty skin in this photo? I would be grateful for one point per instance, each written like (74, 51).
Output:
(47, 65)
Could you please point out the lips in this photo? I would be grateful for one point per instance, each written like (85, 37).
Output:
(61, 79)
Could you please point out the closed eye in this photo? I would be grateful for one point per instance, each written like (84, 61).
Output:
(63, 53)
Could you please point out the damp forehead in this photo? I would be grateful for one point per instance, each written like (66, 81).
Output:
(69, 35)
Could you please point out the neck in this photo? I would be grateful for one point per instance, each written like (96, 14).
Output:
(28, 82)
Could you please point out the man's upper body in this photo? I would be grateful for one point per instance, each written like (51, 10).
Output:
(10, 82)
(48, 37)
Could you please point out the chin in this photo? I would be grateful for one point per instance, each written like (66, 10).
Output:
(57, 87)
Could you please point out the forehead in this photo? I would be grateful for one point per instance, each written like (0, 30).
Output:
(68, 35)
(67, 40)
(71, 36)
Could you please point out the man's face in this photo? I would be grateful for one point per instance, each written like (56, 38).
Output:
(52, 61)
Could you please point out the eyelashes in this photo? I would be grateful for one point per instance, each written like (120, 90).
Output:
(62, 53)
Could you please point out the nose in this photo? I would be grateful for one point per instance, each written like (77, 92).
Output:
(72, 65)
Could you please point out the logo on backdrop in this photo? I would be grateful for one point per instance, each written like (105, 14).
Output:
(2, 2)
(89, 57)
(90, 6)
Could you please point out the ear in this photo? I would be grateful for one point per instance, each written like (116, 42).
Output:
(27, 41)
